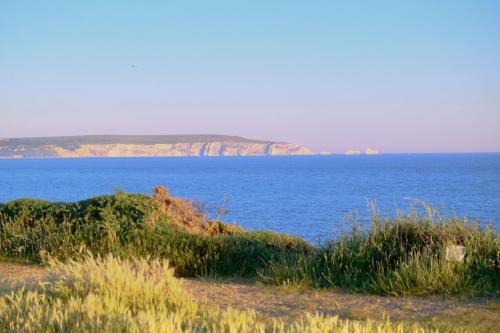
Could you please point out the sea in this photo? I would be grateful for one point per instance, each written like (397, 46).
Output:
(314, 197)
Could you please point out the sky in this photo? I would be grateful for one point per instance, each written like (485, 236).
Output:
(399, 76)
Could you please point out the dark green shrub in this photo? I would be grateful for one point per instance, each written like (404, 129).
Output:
(132, 225)
(397, 256)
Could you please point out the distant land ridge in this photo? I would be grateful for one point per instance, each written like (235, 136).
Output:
(145, 146)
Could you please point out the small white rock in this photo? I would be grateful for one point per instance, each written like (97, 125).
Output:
(455, 253)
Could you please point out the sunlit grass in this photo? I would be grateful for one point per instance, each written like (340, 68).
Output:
(403, 255)
(114, 295)
(400, 255)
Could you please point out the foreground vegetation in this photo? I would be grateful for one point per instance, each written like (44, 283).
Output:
(404, 255)
(137, 295)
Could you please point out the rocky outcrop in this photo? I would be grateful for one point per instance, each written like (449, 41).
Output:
(368, 151)
(233, 147)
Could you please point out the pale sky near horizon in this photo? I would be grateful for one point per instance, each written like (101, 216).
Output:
(399, 76)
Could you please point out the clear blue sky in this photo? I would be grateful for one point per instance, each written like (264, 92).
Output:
(420, 76)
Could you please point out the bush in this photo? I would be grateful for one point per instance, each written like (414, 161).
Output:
(404, 255)
(34, 228)
(134, 225)
(216, 255)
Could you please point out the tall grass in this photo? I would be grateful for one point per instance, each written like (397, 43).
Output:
(403, 255)
(114, 295)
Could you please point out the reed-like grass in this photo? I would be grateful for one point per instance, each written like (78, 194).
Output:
(114, 295)
(402, 255)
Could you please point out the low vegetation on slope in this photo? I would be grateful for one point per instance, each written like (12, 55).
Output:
(404, 255)
(115, 295)
(138, 225)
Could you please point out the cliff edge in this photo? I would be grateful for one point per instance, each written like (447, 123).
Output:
(145, 146)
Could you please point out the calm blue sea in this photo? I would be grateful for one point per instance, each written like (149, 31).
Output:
(311, 197)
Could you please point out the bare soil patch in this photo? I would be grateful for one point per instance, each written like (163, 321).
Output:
(282, 303)
(16, 273)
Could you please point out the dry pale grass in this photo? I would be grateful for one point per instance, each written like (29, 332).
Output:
(185, 214)
(181, 212)
(114, 295)
(477, 315)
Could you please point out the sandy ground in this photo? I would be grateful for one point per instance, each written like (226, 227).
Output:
(289, 304)
(18, 272)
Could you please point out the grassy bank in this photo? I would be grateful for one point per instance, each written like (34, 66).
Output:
(404, 255)
(138, 225)
(114, 295)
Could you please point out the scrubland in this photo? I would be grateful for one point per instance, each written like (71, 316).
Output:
(114, 262)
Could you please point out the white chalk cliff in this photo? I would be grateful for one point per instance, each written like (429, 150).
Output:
(145, 146)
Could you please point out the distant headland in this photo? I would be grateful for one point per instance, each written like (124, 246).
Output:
(145, 146)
